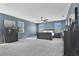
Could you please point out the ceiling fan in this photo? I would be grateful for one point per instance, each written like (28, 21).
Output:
(44, 20)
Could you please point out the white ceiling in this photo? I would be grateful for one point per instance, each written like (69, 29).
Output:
(34, 11)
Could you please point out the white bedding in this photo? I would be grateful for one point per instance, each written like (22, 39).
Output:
(51, 32)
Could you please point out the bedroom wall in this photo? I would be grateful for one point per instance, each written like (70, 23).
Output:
(1, 29)
(50, 25)
(29, 27)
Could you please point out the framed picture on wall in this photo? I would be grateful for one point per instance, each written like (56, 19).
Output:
(9, 23)
(57, 27)
(20, 26)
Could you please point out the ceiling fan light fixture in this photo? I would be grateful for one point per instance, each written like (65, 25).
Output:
(44, 20)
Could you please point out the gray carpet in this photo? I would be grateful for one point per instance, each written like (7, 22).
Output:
(33, 47)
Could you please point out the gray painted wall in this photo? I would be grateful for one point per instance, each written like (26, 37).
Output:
(29, 27)
(50, 25)
(1, 29)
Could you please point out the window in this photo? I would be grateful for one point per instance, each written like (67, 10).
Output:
(20, 26)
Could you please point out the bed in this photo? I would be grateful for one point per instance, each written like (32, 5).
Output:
(45, 34)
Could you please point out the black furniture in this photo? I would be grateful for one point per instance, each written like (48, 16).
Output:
(11, 35)
(44, 35)
(67, 43)
(71, 43)
(57, 35)
(71, 38)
